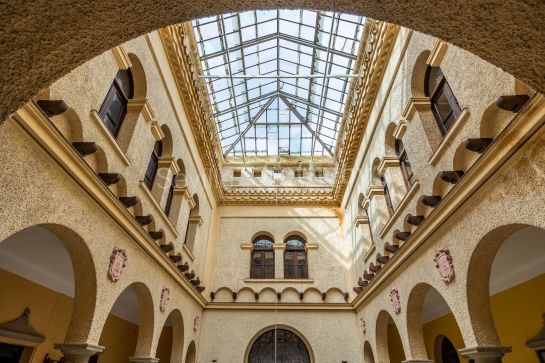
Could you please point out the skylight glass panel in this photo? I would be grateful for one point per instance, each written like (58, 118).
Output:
(277, 79)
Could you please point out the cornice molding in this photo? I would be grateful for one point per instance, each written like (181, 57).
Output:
(180, 48)
(387, 162)
(437, 53)
(34, 123)
(401, 127)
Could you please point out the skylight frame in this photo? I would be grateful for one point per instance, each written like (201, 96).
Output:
(311, 101)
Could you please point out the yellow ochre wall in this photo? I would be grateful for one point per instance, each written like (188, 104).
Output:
(50, 316)
(517, 314)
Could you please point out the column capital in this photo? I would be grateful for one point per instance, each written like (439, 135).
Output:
(485, 354)
(79, 352)
(143, 360)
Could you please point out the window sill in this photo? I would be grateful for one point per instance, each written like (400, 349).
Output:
(449, 137)
(408, 196)
(158, 209)
(111, 140)
(188, 253)
(305, 281)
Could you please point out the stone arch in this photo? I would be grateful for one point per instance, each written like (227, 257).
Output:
(389, 139)
(167, 141)
(143, 316)
(175, 323)
(478, 281)
(268, 295)
(384, 319)
(295, 234)
(368, 356)
(334, 295)
(414, 312)
(246, 295)
(284, 327)
(140, 84)
(262, 233)
(82, 287)
(438, 347)
(60, 57)
(223, 294)
(418, 74)
(191, 355)
(290, 295)
(312, 295)
(375, 175)
(182, 174)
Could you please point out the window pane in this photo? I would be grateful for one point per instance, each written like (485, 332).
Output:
(269, 258)
(442, 106)
(257, 258)
(269, 272)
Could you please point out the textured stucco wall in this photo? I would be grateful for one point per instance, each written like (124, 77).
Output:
(40, 45)
(226, 335)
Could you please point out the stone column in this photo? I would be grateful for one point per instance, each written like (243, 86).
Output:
(491, 354)
(278, 249)
(78, 353)
(143, 360)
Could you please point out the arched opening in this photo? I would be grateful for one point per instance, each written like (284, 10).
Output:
(445, 351)
(191, 354)
(171, 340)
(388, 344)
(429, 317)
(46, 274)
(153, 164)
(128, 330)
(114, 107)
(278, 345)
(506, 274)
(368, 356)
(444, 106)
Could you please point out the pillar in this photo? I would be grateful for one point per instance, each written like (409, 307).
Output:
(78, 353)
(278, 249)
(491, 354)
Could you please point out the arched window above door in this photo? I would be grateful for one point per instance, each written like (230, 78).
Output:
(444, 105)
(114, 108)
(280, 346)
(262, 264)
(295, 258)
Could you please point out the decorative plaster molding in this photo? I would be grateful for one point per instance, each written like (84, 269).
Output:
(121, 57)
(450, 136)
(369, 252)
(505, 145)
(443, 264)
(374, 190)
(246, 246)
(165, 298)
(311, 246)
(197, 219)
(110, 138)
(388, 162)
(279, 306)
(159, 211)
(188, 252)
(294, 281)
(400, 208)
(180, 47)
(169, 162)
(118, 261)
(437, 54)
(395, 300)
(361, 220)
(416, 104)
(400, 129)
(279, 246)
(147, 112)
(184, 191)
(156, 131)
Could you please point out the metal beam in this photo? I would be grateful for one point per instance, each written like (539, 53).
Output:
(279, 76)
(253, 121)
(247, 103)
(305, 123)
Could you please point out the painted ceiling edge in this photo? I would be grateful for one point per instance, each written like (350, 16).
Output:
(374, 52)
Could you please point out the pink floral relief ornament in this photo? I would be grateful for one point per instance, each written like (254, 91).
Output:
(443, 263)
(165, 298)
(394, 299)
(118, 261)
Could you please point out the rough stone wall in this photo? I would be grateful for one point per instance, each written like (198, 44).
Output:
(40, 45)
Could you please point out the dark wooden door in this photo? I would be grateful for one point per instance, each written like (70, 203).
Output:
(279, 346)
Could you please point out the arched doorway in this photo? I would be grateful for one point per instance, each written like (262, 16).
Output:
(191, 354)
(445, 352)
(389, 345)
(278, 346)
(171, 340)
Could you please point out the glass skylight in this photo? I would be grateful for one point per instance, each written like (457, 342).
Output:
(278, 79)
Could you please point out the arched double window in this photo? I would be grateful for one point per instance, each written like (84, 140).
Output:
(153, 164)
(444, 105)
(387, 196)
(192, 224)
(262, 264)
(295, 259)
(114, 108)
(406, 168)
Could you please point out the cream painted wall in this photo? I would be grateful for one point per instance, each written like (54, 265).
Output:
(331, 335)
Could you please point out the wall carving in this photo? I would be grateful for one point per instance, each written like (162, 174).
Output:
(443, 263)
(165, 298)
(118, 261)
(181, 51)
(396, 302)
